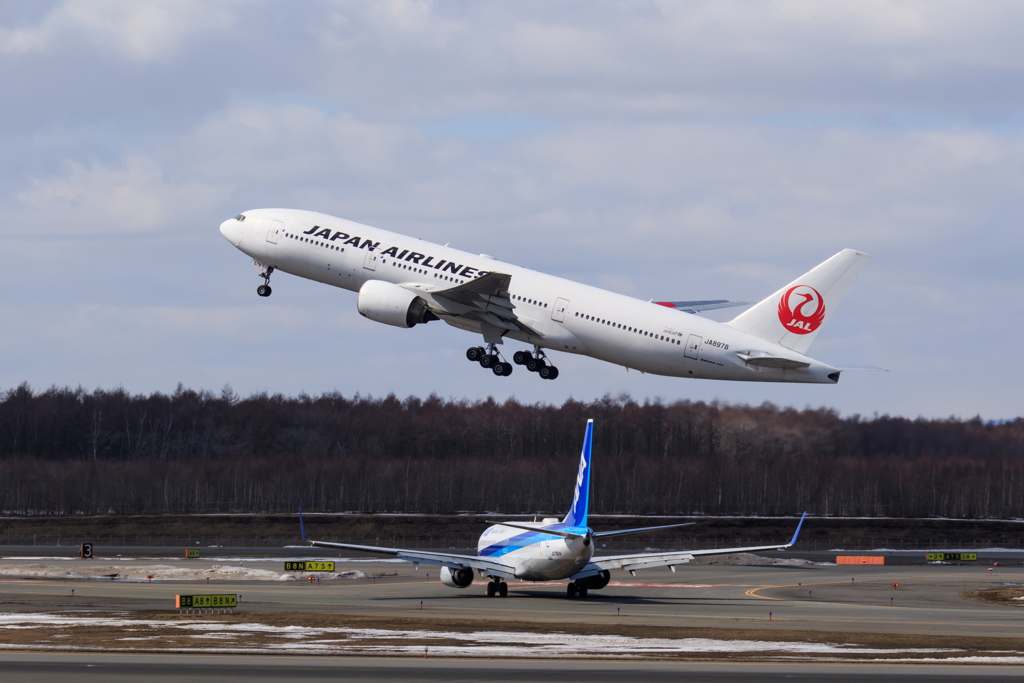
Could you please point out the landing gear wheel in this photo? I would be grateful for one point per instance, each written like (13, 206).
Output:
(583, 591)
(502, 369)
(549, 372)
(503, 589)
(492, 588)
(474, 353)
(535, 364)
(520, 357)
(571, 590)
(488, 360)
(264, 290)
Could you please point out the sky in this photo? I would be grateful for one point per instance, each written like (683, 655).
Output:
(665, 150)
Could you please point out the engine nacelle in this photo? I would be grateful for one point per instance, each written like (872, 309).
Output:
(596, 582)
(456, 578)
(390, 304)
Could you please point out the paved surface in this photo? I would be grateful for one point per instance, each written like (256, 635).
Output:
(819, 598)
(33, 668)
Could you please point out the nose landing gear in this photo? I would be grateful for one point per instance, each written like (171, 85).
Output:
(489, 359)
(536, 362)
(264, 289)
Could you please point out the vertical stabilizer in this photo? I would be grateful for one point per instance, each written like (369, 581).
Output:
(792, 316)
(581, 494)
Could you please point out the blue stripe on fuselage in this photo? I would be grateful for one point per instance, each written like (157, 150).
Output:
(527, 538)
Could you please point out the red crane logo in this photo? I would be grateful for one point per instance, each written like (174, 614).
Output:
(808, 314)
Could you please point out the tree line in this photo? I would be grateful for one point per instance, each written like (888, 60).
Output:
(71, 451)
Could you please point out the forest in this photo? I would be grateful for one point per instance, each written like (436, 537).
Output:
(67, 451)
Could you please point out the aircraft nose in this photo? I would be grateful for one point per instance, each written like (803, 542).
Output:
(230, 230)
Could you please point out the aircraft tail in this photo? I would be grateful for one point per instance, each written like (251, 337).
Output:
(581, 494)
(792, 316)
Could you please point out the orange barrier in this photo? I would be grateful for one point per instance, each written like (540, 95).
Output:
(860, 559)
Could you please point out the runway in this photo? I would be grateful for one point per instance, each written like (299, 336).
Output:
(28, 668)
(814, 598)
(852, 615)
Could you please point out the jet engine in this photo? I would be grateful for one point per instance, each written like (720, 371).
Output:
(392, 305)
(596, 582)
(457, 578)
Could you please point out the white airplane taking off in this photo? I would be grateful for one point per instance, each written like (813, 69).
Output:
(549, 550)
(405, 282)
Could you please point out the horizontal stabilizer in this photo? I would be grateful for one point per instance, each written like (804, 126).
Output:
(698, 306)
(763, 360)
(602, 534)
(539, 530)
(858, 366)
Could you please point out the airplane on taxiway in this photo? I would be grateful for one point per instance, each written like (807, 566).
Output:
(404, 282)
(549, 550)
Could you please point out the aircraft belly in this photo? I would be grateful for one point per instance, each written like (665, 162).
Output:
(542, 569)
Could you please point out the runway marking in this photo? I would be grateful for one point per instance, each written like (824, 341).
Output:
(753, 591)
(669, 585)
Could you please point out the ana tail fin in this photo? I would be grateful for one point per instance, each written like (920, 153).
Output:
(792, 316)
(581, 494)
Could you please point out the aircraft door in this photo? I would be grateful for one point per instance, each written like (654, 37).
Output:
(558, 312)
(370, 262)
(693, 347)
(274, 231)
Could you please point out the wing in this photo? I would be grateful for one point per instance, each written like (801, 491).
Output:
(484, 565)
(482, 300)
(698, 306)
(451, 560)
(631, 563)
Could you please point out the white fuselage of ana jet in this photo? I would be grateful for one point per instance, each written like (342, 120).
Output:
(537, 556)
(566, 316)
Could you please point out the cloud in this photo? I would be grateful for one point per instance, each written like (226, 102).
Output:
(136, 30)
(662, 58)
(94, 198)
(667, 150)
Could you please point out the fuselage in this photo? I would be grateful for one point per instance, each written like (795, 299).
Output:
(567, 316)
(537, 556)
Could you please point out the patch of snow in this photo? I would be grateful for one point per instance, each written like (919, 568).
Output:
(163, 572)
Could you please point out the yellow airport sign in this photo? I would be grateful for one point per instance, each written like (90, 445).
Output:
(198, 601)
(952, 557)
(307, 566)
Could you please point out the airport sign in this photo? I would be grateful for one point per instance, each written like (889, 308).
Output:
(308, 566)
(952, 557)
(198, 601)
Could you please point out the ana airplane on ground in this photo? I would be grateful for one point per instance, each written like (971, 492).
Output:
(404, 282)
(549, 550)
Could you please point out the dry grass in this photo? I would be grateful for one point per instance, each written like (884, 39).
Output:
(1004, 595)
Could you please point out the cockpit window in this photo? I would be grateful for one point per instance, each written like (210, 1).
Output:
(240, 218)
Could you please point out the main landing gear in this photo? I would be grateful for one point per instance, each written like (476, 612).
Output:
(572, 590)
(264, 289)
(536, 362)
(499, 588)
(489, 358)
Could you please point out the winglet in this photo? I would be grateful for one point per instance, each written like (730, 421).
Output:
(797, 532)
(302, 525)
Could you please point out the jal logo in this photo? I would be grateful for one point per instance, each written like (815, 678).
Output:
(801, 310)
